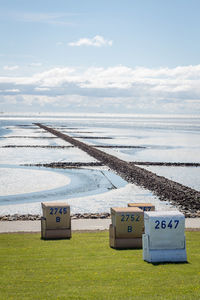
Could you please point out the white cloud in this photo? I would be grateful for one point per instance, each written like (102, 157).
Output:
(97, 41)
(120, 87)
(45, 18)
(10, 68)
(10, 91)
(41, 89)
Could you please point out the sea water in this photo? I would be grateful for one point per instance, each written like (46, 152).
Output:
(150, 138)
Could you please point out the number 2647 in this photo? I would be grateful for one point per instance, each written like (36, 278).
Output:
(164, 224)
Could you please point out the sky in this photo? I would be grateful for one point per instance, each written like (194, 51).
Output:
(130, 56)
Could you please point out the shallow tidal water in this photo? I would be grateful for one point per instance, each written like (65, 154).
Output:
(96, 189)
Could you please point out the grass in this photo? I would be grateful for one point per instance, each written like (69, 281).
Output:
(85, 267)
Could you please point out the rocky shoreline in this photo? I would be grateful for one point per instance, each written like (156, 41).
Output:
(77, 216)
(29, 217)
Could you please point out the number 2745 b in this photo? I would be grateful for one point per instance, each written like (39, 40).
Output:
(55, 210)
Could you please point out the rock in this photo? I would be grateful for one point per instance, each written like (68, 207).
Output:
(4, 218)
(94, 217)
(103, 217)
(198, 213)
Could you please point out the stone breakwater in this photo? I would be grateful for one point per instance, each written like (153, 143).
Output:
(65, 165)
(165, 164)
(183, 197)
(29, 217)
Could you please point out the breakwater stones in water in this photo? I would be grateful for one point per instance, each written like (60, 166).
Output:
(183, 197)
(65, 165)
(37, 146)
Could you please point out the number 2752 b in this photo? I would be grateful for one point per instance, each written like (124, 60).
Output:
(132, 218)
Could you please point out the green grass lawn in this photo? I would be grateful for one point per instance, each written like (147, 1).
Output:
(85, 267)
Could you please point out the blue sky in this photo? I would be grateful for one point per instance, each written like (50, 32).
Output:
(100, 56)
